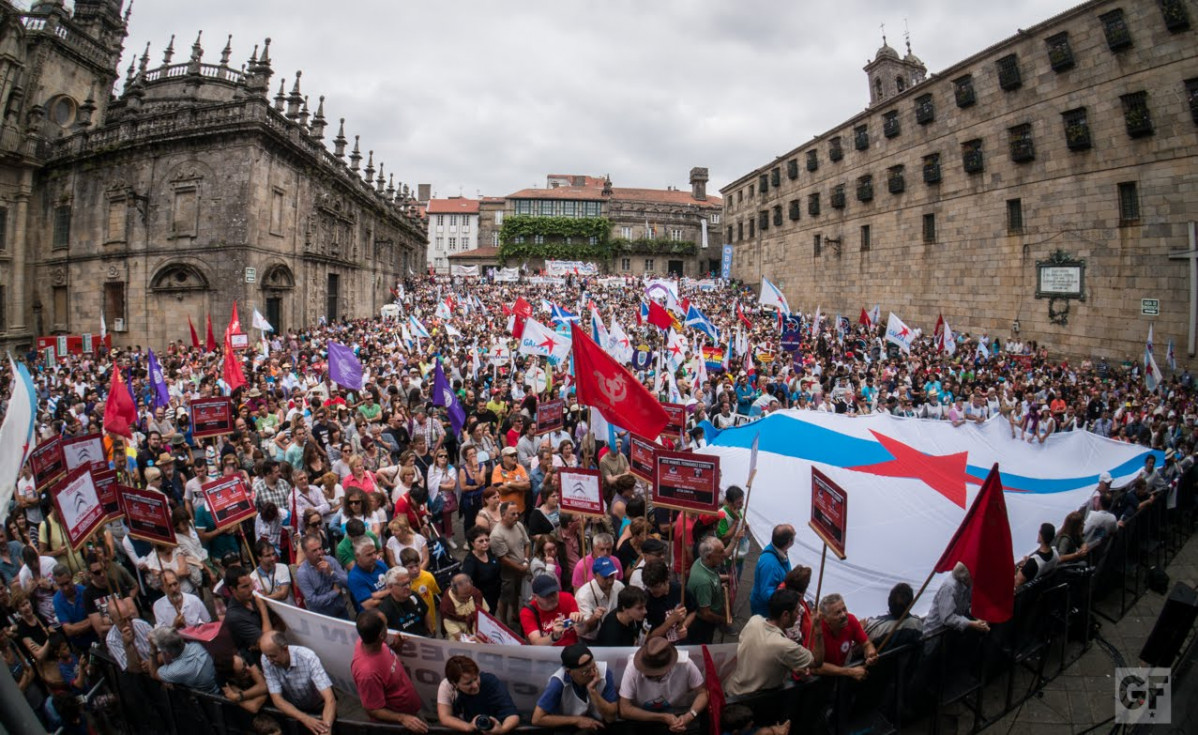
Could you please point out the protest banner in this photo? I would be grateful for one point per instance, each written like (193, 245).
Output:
(688, 482)
(47, 462)
(78, 505)
(211, 417)
(147, 514)
(228, 501)
(490, 630)
(829, 511)
(580, 491)
(84, 450)
(551, 416)
(675, 420)
(108, 491)
(641, 455)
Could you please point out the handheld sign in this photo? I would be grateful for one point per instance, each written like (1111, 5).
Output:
(490, 630)
(675, 420)
(551, 416)
(829, 511)
(78, 506)
(84, 450)
(580, 492)
(239, 341)
(108, 491)
(686, 481)
(228, 501)
(641, 456)
(148, 515)
(47, 462)
(211, 417)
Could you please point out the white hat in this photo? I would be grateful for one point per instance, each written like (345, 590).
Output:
(1105, 477)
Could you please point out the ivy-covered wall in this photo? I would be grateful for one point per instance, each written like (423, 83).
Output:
(590, 240)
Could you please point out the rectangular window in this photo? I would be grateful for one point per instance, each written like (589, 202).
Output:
(648, 265)
(1192, 98)
(440, 220)
(728, 235)
(896, 182)
(1020, 141)
(592, 209)
(816, 243)
(763, 220)
(568, 208)
(3, 229)
(714, 218)
(740, 230)
(499, 218)
(523, 206)
(276, 212)
(931, 168)
(440, 244)
(453, 220)
(494, 239)
(812, 160)
(1060, 54)
(676, 235)
(929, 228)
(626, 232)
(890, 124)
(752, 228)
(813, 204)
(114, 300)
(1009, 77)
(62, 227)
(538, 239)
(775, 177)
(792, 169)
(114, 224)
(865, 188)
(861, 137)
(1077, 130)
(777, 215)
(794, 210)
(835, 149)
(1136, 115)
(1014, 216)
(963, 90)
(625, 264)
(750, 191)
(1114, 25)
(763, 184)
(1129, 203)
(971, 156)
(60, 318)
(1177, 17)
(865, 243)
(740, 196)
(185, 212)
(925, 109)
(546, 208)
(453, 244)
(837, 199)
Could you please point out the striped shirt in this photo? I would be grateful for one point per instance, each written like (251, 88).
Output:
(301, 682)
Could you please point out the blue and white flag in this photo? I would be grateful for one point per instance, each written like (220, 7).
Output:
(16, 433)
(1171, 357)
(771, 295)
(1152, 373)
(599, 332)
(344, 368)
(162, 396)
(418, 329)
(261, 323)
(699, 321)
(443, 395)
(558, 315)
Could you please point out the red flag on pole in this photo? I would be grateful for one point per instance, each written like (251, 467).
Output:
(234, 321)
(864, 319)
(715, 691)
(521, 310)
(209, 339)
(983, 544)
(608, 386)
(740, 314)
(232, 373)
(659, 317)
(119, 412)
(195, 338)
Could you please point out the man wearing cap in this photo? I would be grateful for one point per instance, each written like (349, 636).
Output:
(510, 543)
(511, 479)
(581, 695)
(662, 687)
(598, 596)
(552, 617)
(652, 549)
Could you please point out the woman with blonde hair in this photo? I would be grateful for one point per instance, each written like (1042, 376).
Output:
(403, 537)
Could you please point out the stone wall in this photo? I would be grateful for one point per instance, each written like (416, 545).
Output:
(975, 269)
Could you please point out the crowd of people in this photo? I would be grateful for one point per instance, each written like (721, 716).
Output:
(373, 505)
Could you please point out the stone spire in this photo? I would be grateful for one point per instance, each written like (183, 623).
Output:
(379, 182)
(355, 157)
(391, 187)
(169, 53)
(265, 59)
(129, 75)
(197, 51)
(295, 98)
(227, 52)
(303, 115)
(370, 168)
(318, 121)
(339, 141)
(281, 97)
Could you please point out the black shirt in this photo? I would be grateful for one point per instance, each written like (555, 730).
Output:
(660, 607)
(485, 576)
(406, 617)
(96, 599)
(244, 623)
(614, 633)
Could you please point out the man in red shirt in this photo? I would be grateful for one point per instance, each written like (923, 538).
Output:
(386, 691)
(842, 632)
(550, 619)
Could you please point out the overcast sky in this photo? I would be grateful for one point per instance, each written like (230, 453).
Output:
(491, 95)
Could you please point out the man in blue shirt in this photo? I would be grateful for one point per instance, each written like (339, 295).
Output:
(321, 580)
(71, 610)
(365, 580)
(580, 693)
(772, 566)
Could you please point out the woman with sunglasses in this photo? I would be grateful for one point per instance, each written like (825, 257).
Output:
(442, 494)
(354, 508)
(472, 478)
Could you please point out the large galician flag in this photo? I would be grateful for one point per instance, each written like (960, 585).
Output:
(909, 484)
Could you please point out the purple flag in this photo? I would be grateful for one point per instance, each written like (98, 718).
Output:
(162, 396)
(344, 368)
(443, 395)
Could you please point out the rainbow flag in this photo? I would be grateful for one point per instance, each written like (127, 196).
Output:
(713, 355)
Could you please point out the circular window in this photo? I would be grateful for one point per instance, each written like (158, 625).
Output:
(62, 111)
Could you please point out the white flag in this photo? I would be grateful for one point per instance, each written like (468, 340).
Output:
(17, 432)
(771, 295)
(675, 350)
(451, 330)
(261, 323)
(539, 340)
(620, 346)
(899, 333)
(103, 326)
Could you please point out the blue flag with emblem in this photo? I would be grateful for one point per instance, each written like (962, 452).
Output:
(697, 320)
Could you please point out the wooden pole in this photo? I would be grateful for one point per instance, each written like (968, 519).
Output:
(820, 584)
(906, 612)
(682, 543)
(582, 539)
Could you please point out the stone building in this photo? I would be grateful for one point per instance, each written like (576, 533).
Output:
(191, 189)
(1043, 187)
(623, 230)
(452, 228)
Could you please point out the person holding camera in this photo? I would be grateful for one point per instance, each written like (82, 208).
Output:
(469, 700)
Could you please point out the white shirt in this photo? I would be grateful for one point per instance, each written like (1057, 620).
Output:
(589, 598)
(268, 583)
(194, 612)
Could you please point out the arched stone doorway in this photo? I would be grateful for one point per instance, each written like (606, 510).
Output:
(276, 284)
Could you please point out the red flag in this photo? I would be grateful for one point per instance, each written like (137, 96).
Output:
(659, 317)
(209, 340)
(740, 314)
(521, 310)
(195, 338)
(983, 544)
(605, 384)
(507, 310)
(234, 321)
(864, 319)
(715, 692)
(233, 375)
(119, 412)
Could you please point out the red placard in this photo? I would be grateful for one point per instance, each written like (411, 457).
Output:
(581, 492)
(641, 460)
(108, 491)
(686, 481)
(228, 500)
(675, 420)
(147, 514)
(78, 505)
(829, 511)
(211, 417)
(551, 416)
(85, 450)
(47, 462)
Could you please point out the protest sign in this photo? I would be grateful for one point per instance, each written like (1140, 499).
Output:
(84, 450)
(228, 501)
(211, 417)
(641, 457)
(580, 491)
(147, 514)
(829, 511)
(687, 481)
(551, 416)
(47, 462)
(78, 505)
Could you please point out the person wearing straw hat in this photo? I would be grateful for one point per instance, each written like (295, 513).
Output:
(663, 687)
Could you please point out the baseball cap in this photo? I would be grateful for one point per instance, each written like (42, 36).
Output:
(508, 451)
(573, 655)
(1105, 477)
(603, 566)
(653, 546)
(545, 585)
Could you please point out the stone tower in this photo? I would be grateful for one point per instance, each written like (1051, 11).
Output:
(890, 75)
(699, 183)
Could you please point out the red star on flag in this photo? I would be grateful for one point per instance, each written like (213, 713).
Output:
(549, 344)
(944, 474)
(904, 331)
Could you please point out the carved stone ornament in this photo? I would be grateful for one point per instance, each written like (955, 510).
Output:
(58, 276)
(113, 272)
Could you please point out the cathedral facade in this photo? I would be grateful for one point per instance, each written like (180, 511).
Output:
(191, 189)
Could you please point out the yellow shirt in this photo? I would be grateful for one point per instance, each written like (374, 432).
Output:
(426, 586)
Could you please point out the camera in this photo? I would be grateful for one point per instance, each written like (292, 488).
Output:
(482, 723)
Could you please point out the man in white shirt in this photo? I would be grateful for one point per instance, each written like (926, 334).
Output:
(176, 608)
(597, 598)
(271, 579)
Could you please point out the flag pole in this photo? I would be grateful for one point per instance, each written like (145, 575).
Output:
(682, 561)
(819, 585)
(906, 612)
